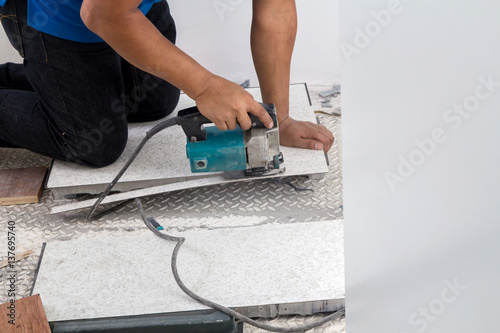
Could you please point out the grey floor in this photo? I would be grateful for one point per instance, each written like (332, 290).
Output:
(272, 201)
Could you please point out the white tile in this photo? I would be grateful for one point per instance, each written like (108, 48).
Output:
(176, 186)
(297, 162)
(144, 192)
(164, 156)
(237, 267)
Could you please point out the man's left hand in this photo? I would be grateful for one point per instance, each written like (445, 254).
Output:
(304, 134)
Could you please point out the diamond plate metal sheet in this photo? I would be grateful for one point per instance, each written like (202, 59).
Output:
(335, 326)
(269, 201)
(21, 158)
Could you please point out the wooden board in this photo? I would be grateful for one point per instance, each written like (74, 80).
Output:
(21, 186)
(27, 316)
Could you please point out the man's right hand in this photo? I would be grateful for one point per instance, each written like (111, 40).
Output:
(227, 104)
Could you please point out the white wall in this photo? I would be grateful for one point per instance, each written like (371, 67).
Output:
(420, 102)
(217, 34)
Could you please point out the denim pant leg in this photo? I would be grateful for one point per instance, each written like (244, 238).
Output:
(69, 114)
(148, 97)
(12, 76)
(77, 111)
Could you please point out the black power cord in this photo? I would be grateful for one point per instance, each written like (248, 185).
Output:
(155, 227)
(161, 126)
(149, 221)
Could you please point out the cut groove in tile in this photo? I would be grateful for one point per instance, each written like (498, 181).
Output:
(300, 265)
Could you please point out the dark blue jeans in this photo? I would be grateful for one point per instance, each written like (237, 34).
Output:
(72, 101)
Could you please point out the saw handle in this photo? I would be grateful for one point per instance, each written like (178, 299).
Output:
(191, 121)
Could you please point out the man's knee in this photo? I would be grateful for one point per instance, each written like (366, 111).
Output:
(102, 145)
(160, 102)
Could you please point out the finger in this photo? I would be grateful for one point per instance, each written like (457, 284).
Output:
(323, 130)
(327, 147)
(231, 124)
(325, 141)
(221, 125)
(244, 121)
(325, 136)
(259, 111)
(309, 144)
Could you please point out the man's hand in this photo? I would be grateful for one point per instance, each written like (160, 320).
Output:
(274, 26)
(304, 134)
(228, 104)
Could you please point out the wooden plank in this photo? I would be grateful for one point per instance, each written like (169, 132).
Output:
(24, 315)
(21, 186)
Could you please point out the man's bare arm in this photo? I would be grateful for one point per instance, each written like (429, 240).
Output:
(274, 26)
(125, 28)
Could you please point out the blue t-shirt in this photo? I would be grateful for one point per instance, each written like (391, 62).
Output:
(61, 18)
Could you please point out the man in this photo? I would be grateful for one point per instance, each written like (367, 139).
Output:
(91, 66)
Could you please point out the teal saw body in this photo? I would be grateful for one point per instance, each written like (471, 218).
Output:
(237, 153)
(221, 151)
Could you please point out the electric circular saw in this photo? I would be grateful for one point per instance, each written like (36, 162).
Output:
(238, 153)
(251, 153)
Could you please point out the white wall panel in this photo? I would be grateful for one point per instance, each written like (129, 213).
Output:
(421, 102)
